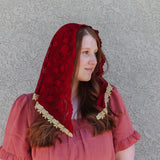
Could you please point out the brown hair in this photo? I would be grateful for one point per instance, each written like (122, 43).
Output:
(88, 92)
(80, 34)
(41, 133)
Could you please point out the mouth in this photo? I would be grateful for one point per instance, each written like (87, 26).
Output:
(89, 69)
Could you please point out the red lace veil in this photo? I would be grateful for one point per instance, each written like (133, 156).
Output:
(53, 91)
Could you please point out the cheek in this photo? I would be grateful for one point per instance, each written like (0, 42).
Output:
(83, 61)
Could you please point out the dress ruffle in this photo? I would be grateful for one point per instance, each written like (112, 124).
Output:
(9, 156)
(127, 142)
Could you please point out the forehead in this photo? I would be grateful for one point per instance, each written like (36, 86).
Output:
(89, 42)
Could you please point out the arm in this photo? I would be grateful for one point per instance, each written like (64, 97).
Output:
(124, 135)
(15, 145)
(127, 154)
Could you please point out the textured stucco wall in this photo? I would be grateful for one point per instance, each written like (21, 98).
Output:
(130, 32)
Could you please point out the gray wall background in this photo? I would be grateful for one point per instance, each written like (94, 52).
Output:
(130, 32)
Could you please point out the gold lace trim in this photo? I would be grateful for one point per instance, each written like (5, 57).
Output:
(50, 118)
(35, 96)
(57, 124)
(101, 114)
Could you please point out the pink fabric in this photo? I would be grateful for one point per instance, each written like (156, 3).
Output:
(83, 145)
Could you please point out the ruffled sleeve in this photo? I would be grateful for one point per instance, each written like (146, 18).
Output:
(124, 134)
(15, 145)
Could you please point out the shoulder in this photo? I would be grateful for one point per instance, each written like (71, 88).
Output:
(116, 101)
(115, 92)
(23, 107)
(24, 98)
(15, 143)
(24, 101)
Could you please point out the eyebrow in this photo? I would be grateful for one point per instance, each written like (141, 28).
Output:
(89, 48)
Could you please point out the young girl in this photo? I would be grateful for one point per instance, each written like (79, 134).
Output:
(74, 113)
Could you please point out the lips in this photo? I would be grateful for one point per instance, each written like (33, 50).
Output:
(89, 69)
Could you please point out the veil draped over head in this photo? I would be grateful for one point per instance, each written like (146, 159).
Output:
(53, 91)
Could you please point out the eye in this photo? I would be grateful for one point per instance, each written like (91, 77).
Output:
(85, 52)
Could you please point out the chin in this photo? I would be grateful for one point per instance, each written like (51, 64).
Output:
(85, 79)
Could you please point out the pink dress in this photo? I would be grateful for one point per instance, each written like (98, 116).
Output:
(83, 145)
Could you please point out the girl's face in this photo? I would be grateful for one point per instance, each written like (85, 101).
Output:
(88, 60)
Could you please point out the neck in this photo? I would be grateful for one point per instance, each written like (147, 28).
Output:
(74, 99)
(74, 90)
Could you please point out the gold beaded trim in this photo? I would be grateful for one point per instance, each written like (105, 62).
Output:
(50, 118)
(101, 114)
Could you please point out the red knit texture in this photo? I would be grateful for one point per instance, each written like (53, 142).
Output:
(54, 84)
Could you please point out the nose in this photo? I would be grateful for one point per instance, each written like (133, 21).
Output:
(93, 60)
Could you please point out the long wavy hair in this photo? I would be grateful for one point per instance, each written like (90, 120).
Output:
(41, 133)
